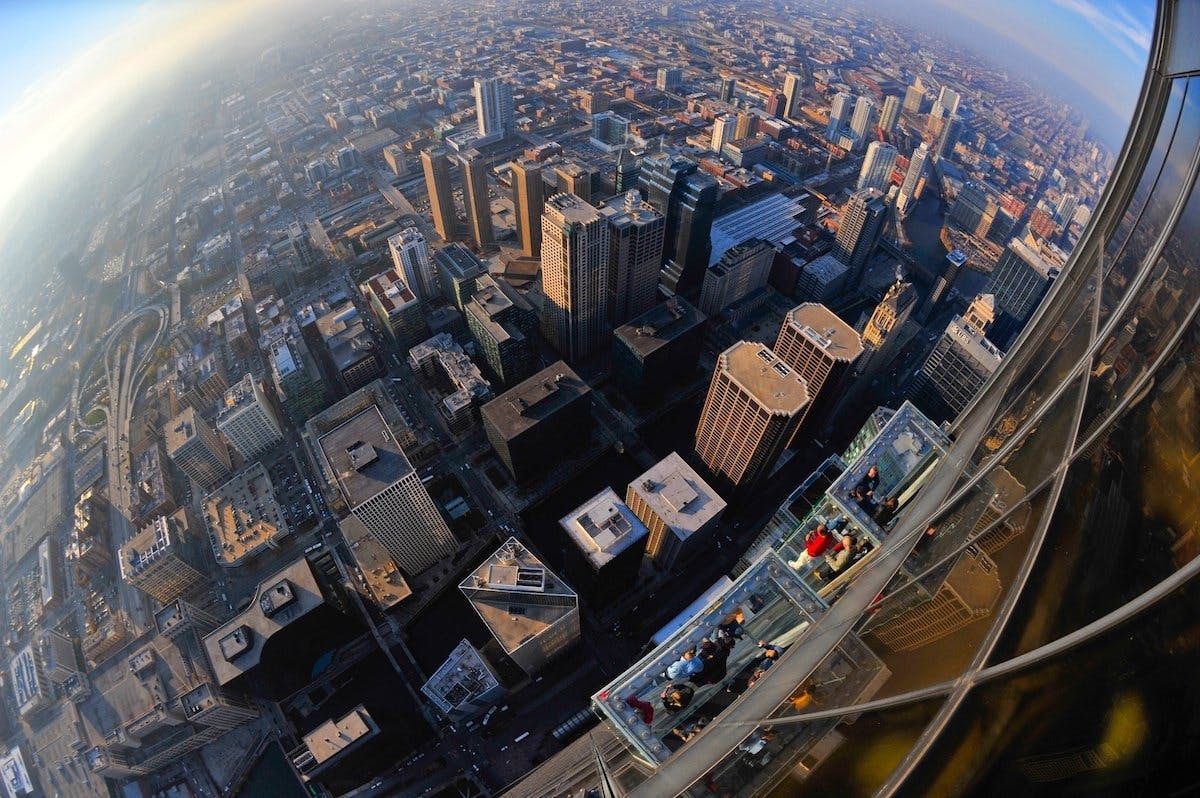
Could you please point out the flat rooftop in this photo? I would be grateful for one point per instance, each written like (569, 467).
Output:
(516, 596)
(243, 517)
(335, 737)
(384, 580)
(535, 399)
(155, 540)
(459, 261)
(181, 429)
(603, 527)
(364, 456)
(678, 495)
(280, 600)
(573, 209)
(660, 325)
(763, 375)
(463, 676)
(826, 329)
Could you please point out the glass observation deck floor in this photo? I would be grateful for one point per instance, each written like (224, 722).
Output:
(903, 454)
(775, 606)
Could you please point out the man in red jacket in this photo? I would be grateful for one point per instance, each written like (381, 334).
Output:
(816, 543)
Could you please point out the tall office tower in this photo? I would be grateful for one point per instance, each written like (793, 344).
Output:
(974, 209)
(529, 197)
(575, 277)
(839, 115)
(914, 179)
(1019, 281)
(503, 324)
(436, 163)
(954, 263)
(745, 125)
(742, 269)
(384, 492)
(479, 206)
(890, 114)
(678, 507)
(575, 178)
(959, 365)
(393, 155)
(820, 347)
(878, 165)
(914, 97)
(533, 614)
(494, 107)
(723, 129)
(668, 79)
(948, 137)
(247, 419)
(162, 559)
(753, 408)
(457, 270)
(410, 256)
(400, 313)
(216, 709)
(981, 312)
(862, 123)
(635, 250)
(1064, 210)
(728, 85)
(688, 199)
(195, 447)
(946, 104)
(793, 91)
(657, 350)
(629, 166)
(776, 104)
(859, 231)
(882, 332)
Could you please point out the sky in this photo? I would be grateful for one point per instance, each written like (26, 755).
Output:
(1099, 46)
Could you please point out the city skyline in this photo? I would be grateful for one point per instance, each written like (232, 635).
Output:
(556, 399)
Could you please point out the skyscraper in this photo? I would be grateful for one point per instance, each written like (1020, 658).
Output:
(863, 121)
(529, 610)
(503, 324)
(946, 103)
(742, 269)
(839, 114)
(793, 88)
(1019, 281)
(890, 114)
(974, 209)
(479, 206)
(728, 84)
(723, 130)
(384, 492)
(776, 104)
(410, 256)
(529, 197)
(859, 231)
(910, 189)
(195, 447)
(914, 97)
(628, 168)
(668, 79)
(960, 363)
(882, 332)
(575, 277)
(162, 560)
(247, 419)
(575, 178)
(753, 408)
(636, 234)
(435, 161)
(820, 347)
(494, 107)
(688, 199)
(877, 167)
(948, 137)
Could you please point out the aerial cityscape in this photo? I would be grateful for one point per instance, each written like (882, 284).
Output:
(569, 399)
